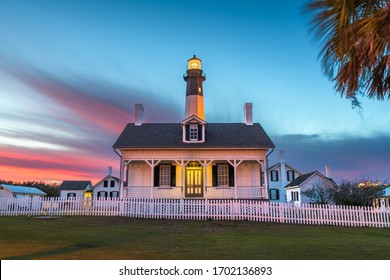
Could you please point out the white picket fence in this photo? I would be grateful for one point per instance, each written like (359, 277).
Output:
(200, 209)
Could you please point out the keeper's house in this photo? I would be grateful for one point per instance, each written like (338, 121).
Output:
(194, 158)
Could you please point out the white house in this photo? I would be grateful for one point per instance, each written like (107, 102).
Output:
(19, 191)
(75, 189)
(280, 174)
(304, 182)
(109, 186)
(194, 158)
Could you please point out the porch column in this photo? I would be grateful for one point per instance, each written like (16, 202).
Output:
(235, 163)
(182, 165)
(205, 164)
(263, 167)
(152, 163)
(121, 171)
(124, 175)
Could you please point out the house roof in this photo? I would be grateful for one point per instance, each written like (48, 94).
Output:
(23, 190)
(169, 135)
(301, 179)
(107, 177)
(74, 185)
(193, 117)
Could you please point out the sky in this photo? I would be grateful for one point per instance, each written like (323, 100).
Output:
(72, 71)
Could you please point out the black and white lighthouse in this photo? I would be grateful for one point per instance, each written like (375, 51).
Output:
(194, 93)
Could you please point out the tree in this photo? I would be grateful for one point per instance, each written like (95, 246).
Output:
(355, 39)
(345, 193)
(52, 190)
(353, 193)
(320, 194)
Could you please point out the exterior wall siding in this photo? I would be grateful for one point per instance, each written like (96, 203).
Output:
(5, 193)
(314, 181)
(100, 187)
(248, 174)
(139, 174)
(282, 181)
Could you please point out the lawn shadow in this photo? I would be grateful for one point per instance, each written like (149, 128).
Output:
(50, 253)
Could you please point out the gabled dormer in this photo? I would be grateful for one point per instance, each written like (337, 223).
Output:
(193, 130)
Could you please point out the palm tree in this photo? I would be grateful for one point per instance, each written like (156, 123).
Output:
(355, 39)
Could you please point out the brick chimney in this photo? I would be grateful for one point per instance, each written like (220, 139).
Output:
(139, 114)
(248, 114)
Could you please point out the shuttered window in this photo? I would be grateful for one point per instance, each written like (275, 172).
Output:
(71, 195)
(114, 194)
(273, 194)
(223, 175)
(274, 175)
(165, 175)
(102, 194)
(290, 175)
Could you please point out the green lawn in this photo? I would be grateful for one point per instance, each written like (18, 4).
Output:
(126, 238)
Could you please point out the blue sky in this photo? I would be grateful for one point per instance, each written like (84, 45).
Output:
(71, 72)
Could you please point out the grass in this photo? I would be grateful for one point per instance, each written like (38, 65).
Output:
(125, 238)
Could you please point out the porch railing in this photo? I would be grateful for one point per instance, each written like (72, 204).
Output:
(243, 192)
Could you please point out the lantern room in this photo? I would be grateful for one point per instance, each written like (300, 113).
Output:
(194, 63)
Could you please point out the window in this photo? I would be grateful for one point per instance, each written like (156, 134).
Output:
(223, 175)
(273, 194)
(290, 175)
(114, 194)
(193, 132)
(295, 196)
(112, 184)
(165, 175)
(102, 194)
(71, 195)
(274, 175)
(105, 184)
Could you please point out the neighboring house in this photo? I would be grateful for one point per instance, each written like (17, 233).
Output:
(19, 191)
(384, 199)
(194, 158)
(304, 182)
(109, 186)
(75, 189)
(279, 175)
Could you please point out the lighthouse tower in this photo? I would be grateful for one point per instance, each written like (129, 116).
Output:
(194, 93)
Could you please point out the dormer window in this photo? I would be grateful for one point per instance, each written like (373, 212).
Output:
(193, 132)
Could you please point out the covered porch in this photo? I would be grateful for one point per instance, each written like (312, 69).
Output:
(218, 178)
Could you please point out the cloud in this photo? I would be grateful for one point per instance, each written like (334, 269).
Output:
(73, 133)
(349, 157)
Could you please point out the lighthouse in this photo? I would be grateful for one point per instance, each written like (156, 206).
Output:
(194, 78)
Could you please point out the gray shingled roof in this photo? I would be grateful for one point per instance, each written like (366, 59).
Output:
(218, 135)
(299, 180)
(74, 185)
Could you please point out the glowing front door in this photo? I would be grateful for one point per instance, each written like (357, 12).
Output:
(194, 180)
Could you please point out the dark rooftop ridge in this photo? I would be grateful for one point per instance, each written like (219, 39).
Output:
(218, 135)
